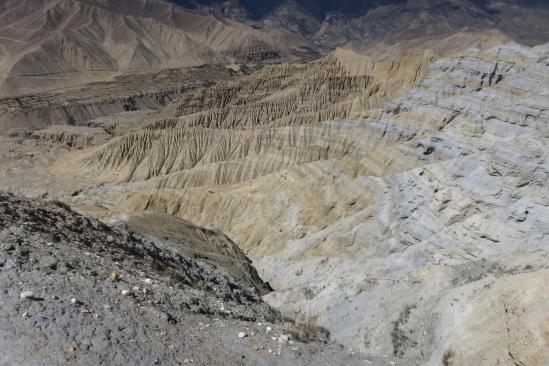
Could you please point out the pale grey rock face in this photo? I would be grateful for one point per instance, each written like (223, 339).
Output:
(449, 261)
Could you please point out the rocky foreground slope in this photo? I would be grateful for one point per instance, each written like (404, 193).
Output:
(419, 230)
(75, 291)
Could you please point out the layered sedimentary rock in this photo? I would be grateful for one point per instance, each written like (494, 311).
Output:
(448, 260)
(72, 137)
(399, 200)
(84, 104)
(418, 230)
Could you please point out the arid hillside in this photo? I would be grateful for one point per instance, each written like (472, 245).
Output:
(386, 203)
(223, 134)
(58, 43)
(400, 189)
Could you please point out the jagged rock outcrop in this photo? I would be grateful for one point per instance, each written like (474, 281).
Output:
(333, 87)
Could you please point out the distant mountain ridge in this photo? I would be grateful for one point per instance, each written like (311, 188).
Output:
(331, 23)
(258, 9)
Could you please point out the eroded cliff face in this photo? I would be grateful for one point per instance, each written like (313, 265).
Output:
(221, 159)
(418, 230)
(231, 126)
(452, 254)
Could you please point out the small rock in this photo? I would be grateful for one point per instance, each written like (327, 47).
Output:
(73, 301)
(284, 338)
(24, 315)
(115, 276)
(242, 335)
(10, 264)
(135, 288)
(27, 295)
(71, 349)
(268, 329)
(49, 262)
(148, 281)
(126, 293)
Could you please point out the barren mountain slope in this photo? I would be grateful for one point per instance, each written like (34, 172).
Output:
(75, 291)
(400, 200)
(235, 123)
(401, 231)
(53, 43)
